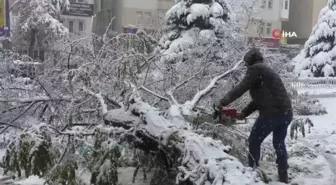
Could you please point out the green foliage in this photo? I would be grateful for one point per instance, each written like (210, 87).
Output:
(299, 125)
(30, 154)
(64, 174)
(104, 160)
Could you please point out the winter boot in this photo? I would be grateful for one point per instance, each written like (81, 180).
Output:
(283, 176)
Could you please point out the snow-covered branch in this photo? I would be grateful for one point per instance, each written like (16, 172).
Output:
(202, 159)
(191, 104)
(153, 93)
(99, 98)
(36, 99)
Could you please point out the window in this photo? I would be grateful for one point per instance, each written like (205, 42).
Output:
(35, 54)
(80, 1)
(147, 18)
(261, 28)
(139, 17)
(62, 21)
(99, 3)
(286, 4)
(161, 14)
(109, 14)
(80, 26)
(269, 28)
(263, 4)
(71, 26)
(41, 55)
(270, 4)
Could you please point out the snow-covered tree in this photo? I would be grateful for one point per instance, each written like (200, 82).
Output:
(194, 23)
(39, 23)
(318, 58)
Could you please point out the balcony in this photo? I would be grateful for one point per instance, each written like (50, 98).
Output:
(284, 12)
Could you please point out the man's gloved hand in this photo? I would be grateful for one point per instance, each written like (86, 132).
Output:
(216, 108)
(215, 114)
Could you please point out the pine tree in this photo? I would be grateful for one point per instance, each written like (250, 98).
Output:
(188, 21)
(318, 58)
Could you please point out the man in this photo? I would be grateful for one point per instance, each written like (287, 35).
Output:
(270, 98)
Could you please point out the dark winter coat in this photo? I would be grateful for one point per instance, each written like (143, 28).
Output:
(268, 93)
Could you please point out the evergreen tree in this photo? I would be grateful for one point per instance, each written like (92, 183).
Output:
(191, 23)
(318, 58)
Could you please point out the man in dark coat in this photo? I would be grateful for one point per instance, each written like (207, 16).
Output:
(270, 98)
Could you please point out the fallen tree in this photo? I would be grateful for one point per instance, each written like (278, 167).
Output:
(201, 160)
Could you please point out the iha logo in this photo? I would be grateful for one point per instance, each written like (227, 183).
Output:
(278, 34)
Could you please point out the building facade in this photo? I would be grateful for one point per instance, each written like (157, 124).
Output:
(79, 19)
(129, 15)
(272, 14)
(303, 17)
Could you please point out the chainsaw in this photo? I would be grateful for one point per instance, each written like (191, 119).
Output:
(228, 116)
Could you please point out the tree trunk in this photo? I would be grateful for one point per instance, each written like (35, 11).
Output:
(32, 43)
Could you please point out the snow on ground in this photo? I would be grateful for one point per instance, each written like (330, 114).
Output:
(318, 92)
(33, 180)
(312, 159)
(322, 140)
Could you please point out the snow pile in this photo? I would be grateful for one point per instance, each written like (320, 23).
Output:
(318, 58)
(32, 180)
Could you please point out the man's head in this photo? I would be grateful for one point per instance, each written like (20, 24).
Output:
(253, 56)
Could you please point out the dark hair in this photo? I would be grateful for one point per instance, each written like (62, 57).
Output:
(253, 56)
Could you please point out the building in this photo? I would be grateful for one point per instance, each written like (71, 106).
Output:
(272, 14)
(79, 18)
(303, 17)
(130, 15)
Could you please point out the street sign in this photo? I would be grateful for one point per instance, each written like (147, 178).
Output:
(79, 9)
(4, 20)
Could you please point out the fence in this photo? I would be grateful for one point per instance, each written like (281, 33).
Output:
(300, 83)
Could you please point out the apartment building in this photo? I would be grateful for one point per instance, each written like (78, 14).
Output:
(303, 17)
(130, 15)
(272, 14)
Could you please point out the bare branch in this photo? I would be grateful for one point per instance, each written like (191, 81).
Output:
(153, 93)
(11, 125)
(190, 78)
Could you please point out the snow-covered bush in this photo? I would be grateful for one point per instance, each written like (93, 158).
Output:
(304, 105)
(317, 59)
(30, 153)
(103, 161)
